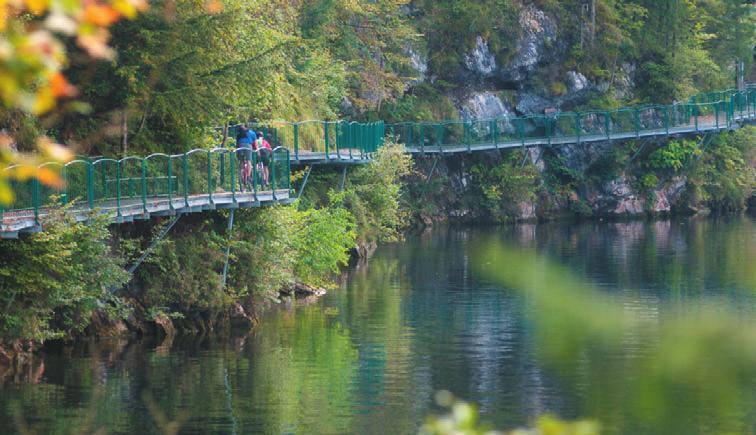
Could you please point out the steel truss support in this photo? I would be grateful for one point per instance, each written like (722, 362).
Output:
(158, 239)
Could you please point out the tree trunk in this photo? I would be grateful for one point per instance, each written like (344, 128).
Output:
(225, 134)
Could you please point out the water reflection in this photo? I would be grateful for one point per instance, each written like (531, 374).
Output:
(369, 357)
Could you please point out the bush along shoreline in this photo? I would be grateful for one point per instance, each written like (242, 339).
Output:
(70, 280)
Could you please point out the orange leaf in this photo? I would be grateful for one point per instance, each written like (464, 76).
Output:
(60, 86)
(214, 7)
(100, 15)
(49, 177)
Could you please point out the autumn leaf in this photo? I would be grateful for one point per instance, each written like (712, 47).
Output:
(100, 15)
(60, 86)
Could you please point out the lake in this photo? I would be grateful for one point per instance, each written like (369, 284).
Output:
(369, 356)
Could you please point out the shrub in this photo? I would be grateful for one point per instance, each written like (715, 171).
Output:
(674, 155)
(725, 176)
(374, 193)
(502, 186)
(648, 181)
(53, 280)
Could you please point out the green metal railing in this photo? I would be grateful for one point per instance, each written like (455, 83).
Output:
(331, 140)
(716, 110)
(141, 182)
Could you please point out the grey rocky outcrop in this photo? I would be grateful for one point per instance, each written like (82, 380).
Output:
(481, 60)
(537, 40)
(484, 105)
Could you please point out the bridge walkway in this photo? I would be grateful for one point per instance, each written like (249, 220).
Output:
(133, 188)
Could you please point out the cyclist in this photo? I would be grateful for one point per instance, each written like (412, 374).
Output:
(244, 142)
(265, 151)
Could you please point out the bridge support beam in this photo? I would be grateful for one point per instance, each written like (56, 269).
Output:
(228, 245)
(343, 179)
(154, 243)
(304, 182)
(432, 169)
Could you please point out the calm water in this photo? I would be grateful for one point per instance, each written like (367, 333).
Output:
(368, 357)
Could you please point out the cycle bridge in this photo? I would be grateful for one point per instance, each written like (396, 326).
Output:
(138, 188)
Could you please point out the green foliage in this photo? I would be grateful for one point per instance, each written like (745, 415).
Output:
(368, 38)
(725, 176)
(607, 166)
(53, 280)
(182, 274)
(373, 195)
(451, 27)
(648, 181)
(558, 176)
(322, 241)
(674, 155)
(269, 249)
(503, 186)
(688, 46)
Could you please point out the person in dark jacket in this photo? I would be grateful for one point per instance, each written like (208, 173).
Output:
(245, 139)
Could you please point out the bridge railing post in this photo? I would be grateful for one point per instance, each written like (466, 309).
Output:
(296, 142)
(222, 167)
(90, 186)
(170, 183)
(327, 144)
(695, 116)
(64, 175)
(144, 187)
(422, 139)
(495, 133)
(273, 174)
(666, 119)
(36, 196)
(338, 138)
(519, 121)
(210, 176)
(185, 170)
(637, 122)
(104, 179)
(608, 125)
(232, 165)
(578, 127)
(118, 188)
(350, 138)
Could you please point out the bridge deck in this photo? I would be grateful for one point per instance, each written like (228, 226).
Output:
(21, 221)
(569, 140)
